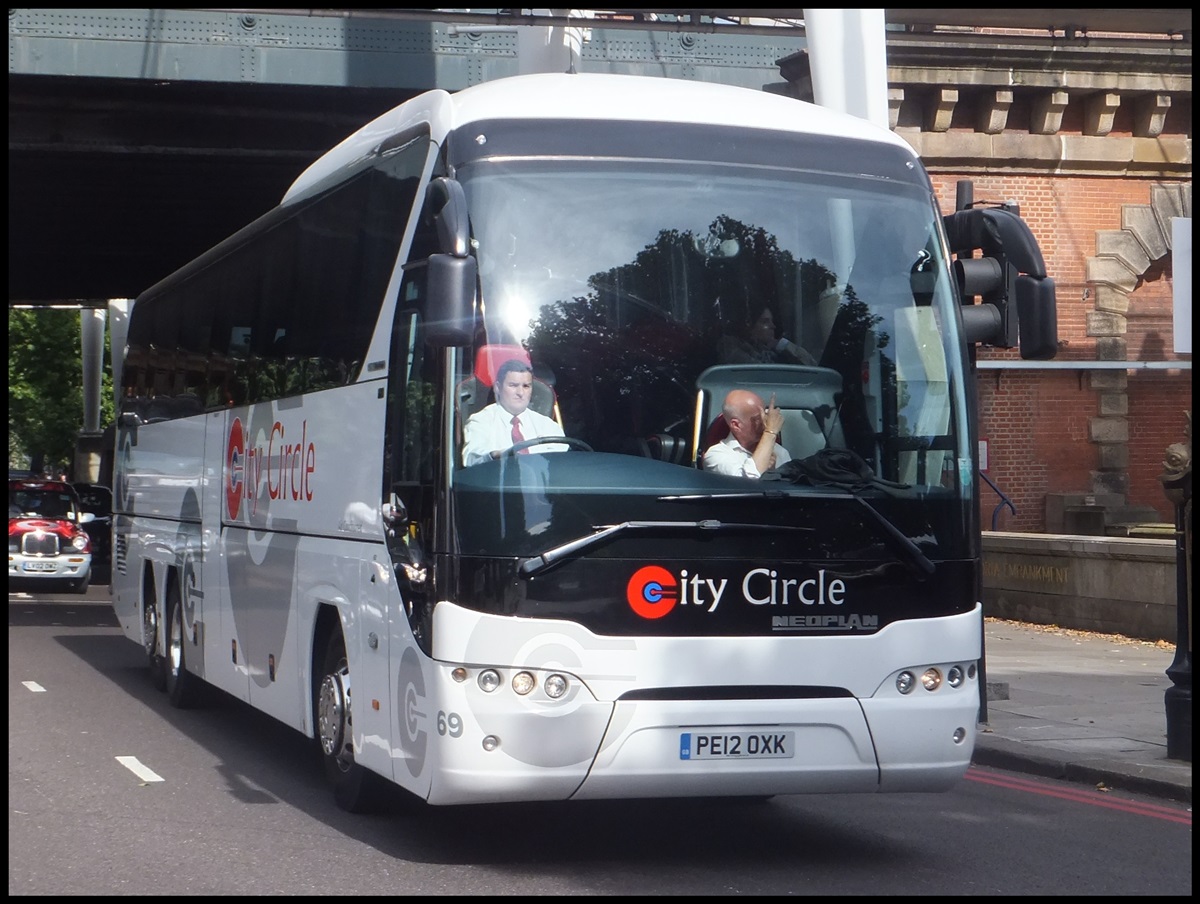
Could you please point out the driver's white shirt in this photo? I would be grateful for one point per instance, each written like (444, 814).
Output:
(728, 457)
(491, 428)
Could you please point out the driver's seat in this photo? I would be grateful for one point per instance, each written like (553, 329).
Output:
(477, 390)
(807, 396)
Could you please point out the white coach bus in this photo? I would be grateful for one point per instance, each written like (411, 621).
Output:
(296, 523)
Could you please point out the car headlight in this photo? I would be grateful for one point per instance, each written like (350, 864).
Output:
(80, 542)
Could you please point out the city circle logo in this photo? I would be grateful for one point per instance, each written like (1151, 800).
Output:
(235, 468)
(651, 591)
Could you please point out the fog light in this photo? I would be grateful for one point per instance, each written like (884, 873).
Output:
(931, 679)
(905, 682)
(490, 743)
(959, 735)
(459, 674)
(489, 680)
(954, 677)
(556, 686)
(523, 683)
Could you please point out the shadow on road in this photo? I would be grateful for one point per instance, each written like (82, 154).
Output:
(263, 761)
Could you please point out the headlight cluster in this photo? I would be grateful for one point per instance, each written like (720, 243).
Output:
(80, 542)
(523, 682)
(933, 678)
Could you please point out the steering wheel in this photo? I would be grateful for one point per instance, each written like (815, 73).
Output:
(542, 440)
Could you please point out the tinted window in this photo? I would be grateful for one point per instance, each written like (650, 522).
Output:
(286, 307)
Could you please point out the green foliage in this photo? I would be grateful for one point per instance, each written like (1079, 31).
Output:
(45, 387)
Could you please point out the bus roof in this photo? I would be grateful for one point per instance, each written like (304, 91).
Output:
(592, 96)
(645, 98)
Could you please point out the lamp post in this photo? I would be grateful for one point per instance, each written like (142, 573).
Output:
(1176, 479)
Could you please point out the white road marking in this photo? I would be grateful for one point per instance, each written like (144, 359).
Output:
(34, 686)
(133, 765)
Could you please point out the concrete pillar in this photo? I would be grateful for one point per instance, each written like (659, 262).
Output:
(92, 342)
(551, 48)
(118, 332)
(847, 51)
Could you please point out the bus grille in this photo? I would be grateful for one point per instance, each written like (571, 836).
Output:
(39, 544)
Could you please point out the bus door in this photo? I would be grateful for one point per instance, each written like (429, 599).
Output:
(219, 634)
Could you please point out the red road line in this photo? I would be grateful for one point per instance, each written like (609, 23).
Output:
(1092, 798)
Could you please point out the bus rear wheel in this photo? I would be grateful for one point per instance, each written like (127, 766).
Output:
(155, 661)
(183, 688)
(354, 788)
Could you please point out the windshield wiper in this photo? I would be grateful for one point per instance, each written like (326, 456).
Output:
(539, 563)
(912, 554)
(916, 558)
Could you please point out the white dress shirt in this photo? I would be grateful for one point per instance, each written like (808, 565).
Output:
(728, 457)
(491, 428)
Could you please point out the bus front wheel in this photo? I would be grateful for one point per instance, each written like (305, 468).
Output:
(354, 788)
(155, 661)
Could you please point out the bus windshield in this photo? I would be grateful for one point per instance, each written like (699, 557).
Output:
(637, 291)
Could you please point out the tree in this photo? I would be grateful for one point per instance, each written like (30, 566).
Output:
(45, 387)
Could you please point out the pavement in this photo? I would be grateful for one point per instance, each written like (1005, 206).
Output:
(1079, 706)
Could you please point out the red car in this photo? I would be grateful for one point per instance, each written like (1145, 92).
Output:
(47, 545)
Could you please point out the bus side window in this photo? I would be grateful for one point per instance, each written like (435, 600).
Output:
(412, 409)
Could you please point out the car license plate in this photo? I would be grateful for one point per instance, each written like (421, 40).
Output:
(39, 566)
(737, 745)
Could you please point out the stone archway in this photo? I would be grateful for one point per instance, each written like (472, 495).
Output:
(1122, 257)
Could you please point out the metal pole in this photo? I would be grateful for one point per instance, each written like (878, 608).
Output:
(1176, 479)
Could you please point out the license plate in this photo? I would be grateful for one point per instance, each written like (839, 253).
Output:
(737, 745)
(39, 566)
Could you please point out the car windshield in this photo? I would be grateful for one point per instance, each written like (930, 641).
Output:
(40, 503)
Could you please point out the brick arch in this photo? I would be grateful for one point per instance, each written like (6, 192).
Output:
(1122, 257)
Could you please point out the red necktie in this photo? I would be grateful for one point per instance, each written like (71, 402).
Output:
(516, 435)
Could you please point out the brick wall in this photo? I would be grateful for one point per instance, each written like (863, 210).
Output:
(1157, 405)
(1036, 421)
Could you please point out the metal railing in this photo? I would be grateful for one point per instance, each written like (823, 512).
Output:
(1004, 500)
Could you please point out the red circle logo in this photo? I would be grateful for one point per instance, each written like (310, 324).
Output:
(651, 591)
(235, 469)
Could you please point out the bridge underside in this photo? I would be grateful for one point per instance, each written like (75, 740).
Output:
(112, 182)
(138, 138)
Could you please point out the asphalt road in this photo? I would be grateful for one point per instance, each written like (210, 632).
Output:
(111, 791)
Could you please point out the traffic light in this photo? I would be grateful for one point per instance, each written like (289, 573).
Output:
(1017, 304)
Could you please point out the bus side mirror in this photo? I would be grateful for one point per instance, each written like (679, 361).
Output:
(450, 294)
(445, 197)
(450, 276)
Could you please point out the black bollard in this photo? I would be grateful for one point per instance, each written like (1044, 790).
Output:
(1176, 479)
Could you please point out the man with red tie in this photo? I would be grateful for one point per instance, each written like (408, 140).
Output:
(509, 419)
